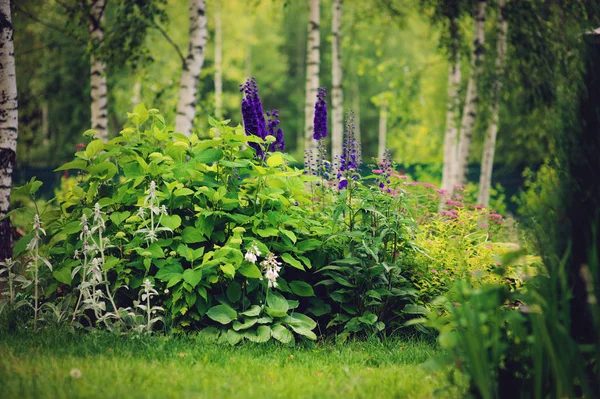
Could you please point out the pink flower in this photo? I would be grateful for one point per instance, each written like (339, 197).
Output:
(484, 225)
(495, 216)
(434, 271)
(377, 171)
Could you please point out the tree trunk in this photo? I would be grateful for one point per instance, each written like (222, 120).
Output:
(9, 121)
(190, 76)
(487, 163)
(337, 130)
(312, 72)
(218, 63)
(382, 130)
(45, 126)
(98, 90)
(451, 125)
(472, 100)
(137, 94)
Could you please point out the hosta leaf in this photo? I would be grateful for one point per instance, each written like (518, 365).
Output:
(301, 288)
(237, 326)
(260, 335)
(233, 337)
(368, 318)
(302, 330)
(281, 334)
(184, 191)
(234, 292)
(289, 259)
(222, 314)
(171, 221)
(253, 311)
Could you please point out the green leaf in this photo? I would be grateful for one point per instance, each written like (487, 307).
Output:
(63, 275)
(93, 148)
(237, 326)
(72, 227)
(192, 277)
(142, 114)
(209, 155)
(277, 304)
(119, 217)
(289, 234)
(249, 270)
(368, 318)
(183, 192)
(222, 314)
(76, 164)
(262, 334)
(253, 311)
(234, 292)
(228, 270)
(308, 245)
(289, 259)
(192, 235)
(281, 334)
(302, 330)
(174, 280)
(415, 309)
(301, 288)
(275, 160)
(171, 221)
(169, 271)
(233, 337)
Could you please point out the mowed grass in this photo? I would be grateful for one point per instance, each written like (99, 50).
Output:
(111, 366)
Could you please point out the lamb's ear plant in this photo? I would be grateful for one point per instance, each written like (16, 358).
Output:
(147, 293)
(9, 274)
(35, 262)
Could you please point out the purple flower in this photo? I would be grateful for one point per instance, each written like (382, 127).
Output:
(273, 130)
(350, 160)
(386, 169)
(320, 120)
(252, 114)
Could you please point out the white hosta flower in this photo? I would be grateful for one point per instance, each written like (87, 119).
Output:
(271, 268)
(252, 254)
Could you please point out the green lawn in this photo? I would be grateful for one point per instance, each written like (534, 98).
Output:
(40, 366)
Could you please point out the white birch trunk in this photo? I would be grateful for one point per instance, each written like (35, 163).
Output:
(98, 90)
(337, 128)
(451, 125)
(489, 146)
(382, 131)
(190, 76)
(137, 94)
(312, 72)
(470, 109)
(218, 63)
(9, 121)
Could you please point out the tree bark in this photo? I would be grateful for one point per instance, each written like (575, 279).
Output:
(472, 100)
(218, 63)
(337, 130)
(9, 122)
(451, 125)
(190, 76)
(489, 147)
(382, 130)
(98, 90)
(312, 72)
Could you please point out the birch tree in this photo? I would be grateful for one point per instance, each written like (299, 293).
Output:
(336, 91)
(9, 121)
(489, 146)
(451, 124)
(472, 99)
(218, 63)
(98, 88)
(190, 76)
(312, 71)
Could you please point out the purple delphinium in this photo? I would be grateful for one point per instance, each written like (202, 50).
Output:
(273, 130)
(386, 170)
(350, 160)
(320, 119)
(252, 114)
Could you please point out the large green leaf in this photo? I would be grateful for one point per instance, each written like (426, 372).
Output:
(209, 155)
(301, 288)
(222, 314)
(277, 304)
(282, 334)
(249, 270)
(192, 235)
(93, 148)
(289, 259)
(119, 217)
(76, 164)
(192, 277)
(237, 326)
(234, 291)
(169, 271)
(171, 221)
